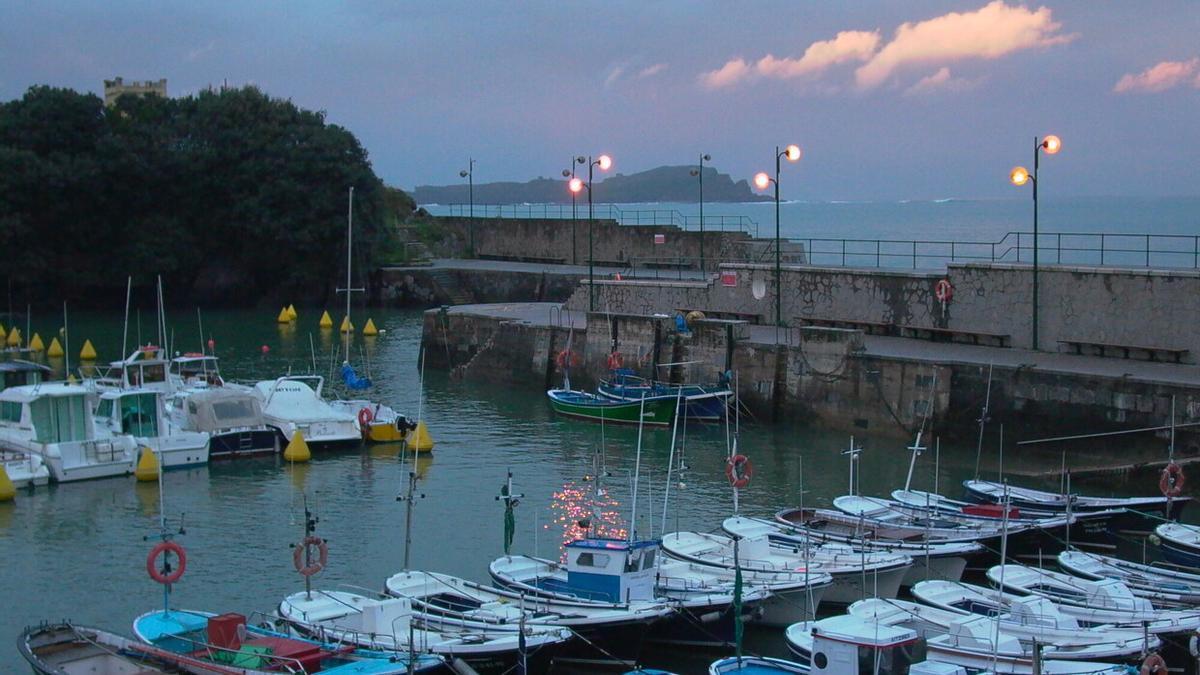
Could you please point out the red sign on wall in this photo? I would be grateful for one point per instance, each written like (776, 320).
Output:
(660, 238)
(729, 279)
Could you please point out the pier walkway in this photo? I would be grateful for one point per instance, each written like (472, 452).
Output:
(547, 314)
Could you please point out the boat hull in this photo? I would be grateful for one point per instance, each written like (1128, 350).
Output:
(705, 404)
(654, 412)
(233, 444)
(849, 587)
(785, 608)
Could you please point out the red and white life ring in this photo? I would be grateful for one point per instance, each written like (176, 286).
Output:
(365, 417)
(566, 359)
(943, 291)
(739, 470)
(1171, 482)
(161, 575)
(615, 360)
(305, 547)
(1153, 664)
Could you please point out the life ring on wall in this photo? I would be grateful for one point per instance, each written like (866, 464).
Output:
(1171, 482)
(162, 576)
(1153, 664)
(943, 291)
(739, 470)
(306, 546)
(566, 359)
(365, 417)
(615, 360)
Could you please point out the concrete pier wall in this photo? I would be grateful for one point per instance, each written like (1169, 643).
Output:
(815, 376)
(1118, 306)
(565, 241)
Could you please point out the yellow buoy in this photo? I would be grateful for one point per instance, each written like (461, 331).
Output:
(55, 350)
(36, 344)
(71, 378)
(347, 327)
(326, 320)
(419, 438)
(88, 353)
(2, 331)
(147, 466)
(284, 317)
(297, 449)
(14, 337)
(370, 329)
(8, 491)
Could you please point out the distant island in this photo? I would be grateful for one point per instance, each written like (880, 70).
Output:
(664, 184)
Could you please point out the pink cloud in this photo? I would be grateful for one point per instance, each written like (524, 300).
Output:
(848, 45)
(651, 71)
(727, 75)
(942, 80)
(1161, 77)
(990, 32)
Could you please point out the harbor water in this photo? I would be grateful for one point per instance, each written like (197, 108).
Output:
(77, 551)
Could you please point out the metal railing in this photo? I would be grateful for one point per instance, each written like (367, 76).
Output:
(1174, 251)
(624, 216)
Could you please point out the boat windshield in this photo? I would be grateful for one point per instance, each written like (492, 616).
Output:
(59, 419)
(895, 659)
(139, 414)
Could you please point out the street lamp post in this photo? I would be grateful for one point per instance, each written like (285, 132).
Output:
(469, 174)
(1020, 176)
(699, 173)
(762, 180)
(570, 175)
(605, 163)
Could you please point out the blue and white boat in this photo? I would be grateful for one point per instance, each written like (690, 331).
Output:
(209, 643)
(704, 402)
(1180, 543)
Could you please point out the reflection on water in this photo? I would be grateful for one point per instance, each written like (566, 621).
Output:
(78, 550)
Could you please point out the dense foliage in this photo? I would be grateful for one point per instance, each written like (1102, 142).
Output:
(233, 197)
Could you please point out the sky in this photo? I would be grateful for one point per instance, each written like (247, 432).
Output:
(914, 99)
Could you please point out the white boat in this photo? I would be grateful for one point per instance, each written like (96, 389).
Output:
(17, 373)
(141, 415)
(294, 403)
(993, 492)
(383, 423)
(608, 632)
(231, 416)
(930, 560)
(790, 599)
(69, 649)
(55, 422)
(1180, 543)
(194, 371)
(855, 574)
(388, 625)
(24, 469)
(1157, 584)
(845, 645)
(1025, 623)
(888, 510)
(961, 596)
(970, 644)
(144, 368)
(1067, 589)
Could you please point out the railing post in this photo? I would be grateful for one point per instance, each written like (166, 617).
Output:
(914, 250)
(1147, 250)
(1058, 248)
(1101, 249)
(951, 251)
(1195, 251)
(843, 253)
(876, 253)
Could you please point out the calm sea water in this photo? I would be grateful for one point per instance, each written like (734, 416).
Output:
(78, 550)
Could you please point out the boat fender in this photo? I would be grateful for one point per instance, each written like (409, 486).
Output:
(364, 417)
(306, 546)
(739, 470)
(1171, 482)
(1153, 664)
(615, 360)
(166, 575)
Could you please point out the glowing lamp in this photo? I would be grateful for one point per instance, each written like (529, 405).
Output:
(575, 184)
(604, 162)
(792, 153)
(1051, 144)
(762, 180)
(1019, 175)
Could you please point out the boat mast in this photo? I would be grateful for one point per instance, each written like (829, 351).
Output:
(637, 469)
(670, 462)
(983, 419)
(349, 289)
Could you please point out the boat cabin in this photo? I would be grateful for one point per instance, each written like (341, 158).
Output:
(612, 570)
(51, 413)
(195, 370)
(144, 368)
(135, 412)
(218, 410)
(848, 645)
(17, 373)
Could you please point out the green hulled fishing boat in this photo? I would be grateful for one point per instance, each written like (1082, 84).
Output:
(656, 411)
